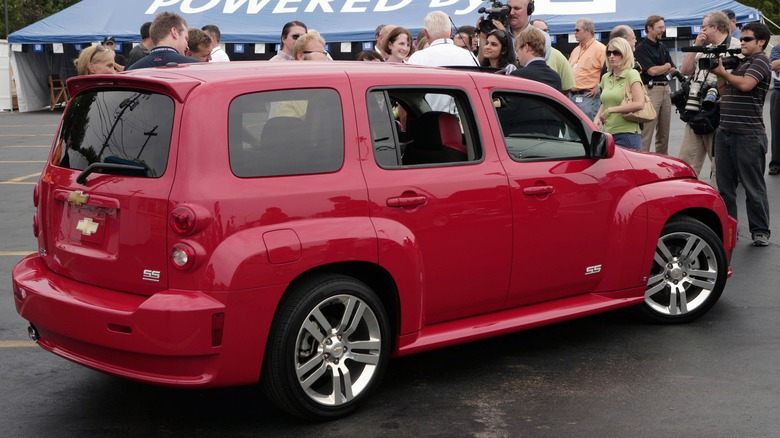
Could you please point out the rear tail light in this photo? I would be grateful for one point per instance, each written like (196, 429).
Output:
(183, 256)
(183, 220)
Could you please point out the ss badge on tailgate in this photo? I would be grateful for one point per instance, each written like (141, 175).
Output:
(150, 275)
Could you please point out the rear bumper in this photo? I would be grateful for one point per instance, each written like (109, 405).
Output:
(166, 338)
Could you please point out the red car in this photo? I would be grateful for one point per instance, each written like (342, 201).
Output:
(299, 224)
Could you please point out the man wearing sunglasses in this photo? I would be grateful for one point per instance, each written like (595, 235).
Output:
(290, 34)
(741, 140)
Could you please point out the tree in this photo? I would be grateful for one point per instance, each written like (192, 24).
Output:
(22, 13)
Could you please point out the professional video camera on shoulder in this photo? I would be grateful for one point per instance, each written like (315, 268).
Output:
(495, 11)
(709, 62)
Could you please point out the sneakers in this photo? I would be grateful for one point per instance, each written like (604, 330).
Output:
(774, 170)
(760, 239)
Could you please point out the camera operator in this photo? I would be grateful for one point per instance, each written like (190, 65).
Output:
(714, 32)
(515, 14)
(741, 141)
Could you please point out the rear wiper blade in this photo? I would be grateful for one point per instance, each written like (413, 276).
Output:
(94, 167)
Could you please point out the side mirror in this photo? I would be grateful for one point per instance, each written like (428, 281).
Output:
(602, 145)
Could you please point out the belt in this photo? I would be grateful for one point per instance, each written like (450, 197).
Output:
(659, 83)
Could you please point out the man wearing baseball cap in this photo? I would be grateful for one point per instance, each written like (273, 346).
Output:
(119, 59)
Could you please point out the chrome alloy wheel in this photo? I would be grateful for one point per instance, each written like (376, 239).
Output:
(337, 350)
(685, 273)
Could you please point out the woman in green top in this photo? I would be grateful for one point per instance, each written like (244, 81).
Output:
(620, 62)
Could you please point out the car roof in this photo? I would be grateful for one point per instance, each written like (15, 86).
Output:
(179, 79)
(210, 71)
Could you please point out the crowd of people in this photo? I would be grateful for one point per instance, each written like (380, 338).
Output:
(595, 77)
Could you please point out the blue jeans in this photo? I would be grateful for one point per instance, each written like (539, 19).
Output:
(742, 158)
(628, 140)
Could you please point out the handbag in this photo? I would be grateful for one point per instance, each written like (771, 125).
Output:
(646, 114)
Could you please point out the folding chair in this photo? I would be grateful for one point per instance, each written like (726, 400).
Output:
(57, 91)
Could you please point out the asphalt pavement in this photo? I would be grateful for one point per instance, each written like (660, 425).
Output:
(602, 376)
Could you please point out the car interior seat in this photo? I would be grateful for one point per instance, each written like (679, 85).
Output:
(437, 139)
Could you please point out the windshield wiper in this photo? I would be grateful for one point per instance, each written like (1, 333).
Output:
(94, 167)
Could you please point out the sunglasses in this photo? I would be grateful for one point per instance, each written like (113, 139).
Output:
(315, 51)
(497, 32)
(614, 52)
(747, 39)
(99, 48)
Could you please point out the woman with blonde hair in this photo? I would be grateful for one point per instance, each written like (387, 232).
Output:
(620, 70)
(95, 60)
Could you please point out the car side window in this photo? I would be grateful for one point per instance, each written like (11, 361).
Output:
(290, 132)
(538, 128)
(407, 131)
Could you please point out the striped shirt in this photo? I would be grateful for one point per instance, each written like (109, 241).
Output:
(741, 112)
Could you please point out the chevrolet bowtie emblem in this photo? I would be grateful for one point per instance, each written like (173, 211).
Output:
(78, 198)
(87, 226)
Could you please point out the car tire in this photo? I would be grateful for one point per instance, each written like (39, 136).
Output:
(327, 349)
(689, 273)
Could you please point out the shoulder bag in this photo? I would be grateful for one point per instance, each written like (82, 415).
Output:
(646, 114)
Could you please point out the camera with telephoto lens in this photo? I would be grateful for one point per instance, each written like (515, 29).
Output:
(496, 11)
(701, 96)
(680, 96)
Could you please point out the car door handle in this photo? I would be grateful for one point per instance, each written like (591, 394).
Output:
(538, 190)
(406, 201)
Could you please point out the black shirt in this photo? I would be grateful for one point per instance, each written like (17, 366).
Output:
(160, 57)
(650, 54)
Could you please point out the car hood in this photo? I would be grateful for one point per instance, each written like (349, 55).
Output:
(651, 167)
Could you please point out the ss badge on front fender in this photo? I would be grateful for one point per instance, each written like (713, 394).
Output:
(590, 270)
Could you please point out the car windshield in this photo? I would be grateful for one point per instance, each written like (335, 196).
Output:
(117, 132)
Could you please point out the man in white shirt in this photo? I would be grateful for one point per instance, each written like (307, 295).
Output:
(442, 50)
(441, 53)
(217, 54)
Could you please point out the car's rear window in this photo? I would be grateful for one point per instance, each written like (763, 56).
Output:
(290, 132)
(127, 128)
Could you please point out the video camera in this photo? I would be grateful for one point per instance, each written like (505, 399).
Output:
(496, 11)
(708, 63)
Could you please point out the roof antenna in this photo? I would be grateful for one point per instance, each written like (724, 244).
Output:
(476, 61)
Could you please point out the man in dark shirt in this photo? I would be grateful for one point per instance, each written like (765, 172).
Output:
(143, 48)
(741, 140)
(169, 35)
(656, 62)
(530, 47)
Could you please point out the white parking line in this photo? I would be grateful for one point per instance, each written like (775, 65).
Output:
(17, 344)
(27, 146)
(21, 161)
(15, 253)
